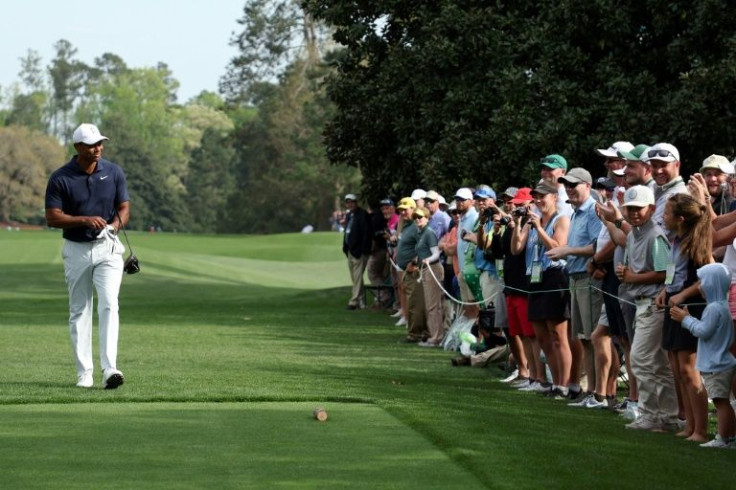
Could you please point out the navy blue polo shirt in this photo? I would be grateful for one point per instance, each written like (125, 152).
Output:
(78, 194)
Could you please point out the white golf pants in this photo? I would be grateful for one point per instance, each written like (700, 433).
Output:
(99, 264)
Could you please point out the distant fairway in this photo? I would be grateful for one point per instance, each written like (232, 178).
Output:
(227, 345)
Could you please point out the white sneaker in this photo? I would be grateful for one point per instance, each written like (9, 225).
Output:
(530, 387)
(718, 442)
(85, 380)
(631, 412)
(521, 383)
(112, 379)
(581, 403)
(402, 321)
(540, 388)
(644, 424)
(593, 403)
(397, 314)
(511, 377)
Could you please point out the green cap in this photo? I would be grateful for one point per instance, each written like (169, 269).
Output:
(635, 154)
(554, 161)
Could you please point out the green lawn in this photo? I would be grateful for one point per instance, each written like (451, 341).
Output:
(228, 343)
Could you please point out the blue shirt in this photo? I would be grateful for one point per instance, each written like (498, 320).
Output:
(77, 193)
(584, 229)
(440, 223)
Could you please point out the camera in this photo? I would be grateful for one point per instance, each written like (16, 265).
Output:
(489, 213)
(521, 212)
(505, 220)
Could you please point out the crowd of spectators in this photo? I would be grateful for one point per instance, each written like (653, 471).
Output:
(584, 281)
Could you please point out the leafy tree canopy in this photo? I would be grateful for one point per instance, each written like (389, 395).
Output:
(443, 93)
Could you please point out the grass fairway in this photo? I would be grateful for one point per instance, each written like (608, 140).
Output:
(228, 343)
(220, 445)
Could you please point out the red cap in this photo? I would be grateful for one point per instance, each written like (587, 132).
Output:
(523, 196)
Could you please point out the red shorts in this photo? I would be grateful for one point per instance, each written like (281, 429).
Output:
(518, 318)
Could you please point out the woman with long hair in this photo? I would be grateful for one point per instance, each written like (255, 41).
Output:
(690, 248)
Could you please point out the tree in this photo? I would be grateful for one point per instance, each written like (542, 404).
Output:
(28, 108)
(279, 70)
(445, 93)
(67, 76)
(27, 158)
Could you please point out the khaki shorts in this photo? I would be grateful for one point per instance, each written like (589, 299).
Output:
(585, 305)
(718, 385)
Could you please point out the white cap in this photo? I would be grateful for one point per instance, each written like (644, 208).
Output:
(619, 171)
(612, 151)
(351, 197)
(418, 194)
(464, 193)
(639, 196)
(88, 134)
(664, 152)
(718, 162)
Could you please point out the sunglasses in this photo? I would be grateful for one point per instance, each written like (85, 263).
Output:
(660, 153)
(417, 218)
(460, 199)
(571, 185)
(429, 201)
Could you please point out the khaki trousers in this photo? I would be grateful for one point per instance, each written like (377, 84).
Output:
(433, 302)
(357, 269)
(415, 313)
(649, 363)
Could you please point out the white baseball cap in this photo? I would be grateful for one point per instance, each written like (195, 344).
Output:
(718, 162)
(663, 152)
(88, 134)
(639, 196)
(612, 151)
(418, 194)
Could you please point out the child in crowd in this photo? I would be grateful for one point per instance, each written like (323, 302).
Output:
(690, 248)
(715, 336)
(641, 275)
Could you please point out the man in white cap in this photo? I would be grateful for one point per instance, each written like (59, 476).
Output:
(468, 217)
(665, 162)
(716, 170)
(356, 246)
(419, 195)
(88, 199)
(440, 220)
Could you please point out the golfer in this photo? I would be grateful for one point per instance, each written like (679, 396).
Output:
(82, 198)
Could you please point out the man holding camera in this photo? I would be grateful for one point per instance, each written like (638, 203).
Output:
(88, 199)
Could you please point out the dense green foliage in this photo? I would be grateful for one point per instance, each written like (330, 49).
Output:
(241, 320)
(441, 93)
(250, 161)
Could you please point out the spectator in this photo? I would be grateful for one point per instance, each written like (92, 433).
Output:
(551, 168)
(439, 220)
(690, 248)
(419, 195)
(641, 274)
(665, 162)
(585, 292)
(716, 170)
(405, 260)
(428, 258)
(468, 279)
(356, 246)
(715, 335)
(513, 272)
(377, 267)
(548, 282)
